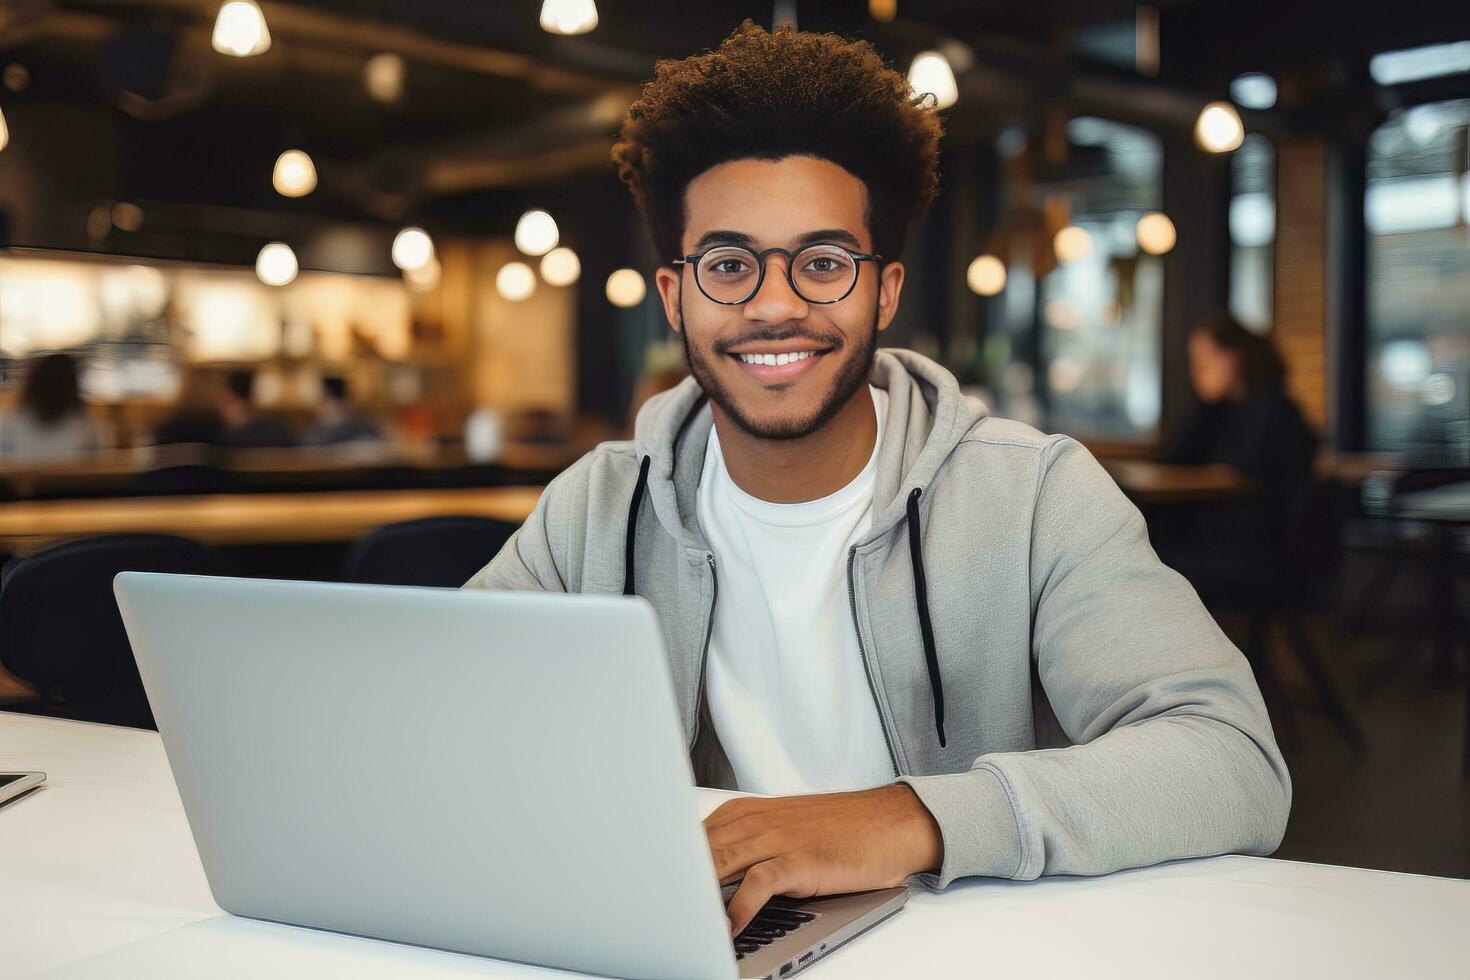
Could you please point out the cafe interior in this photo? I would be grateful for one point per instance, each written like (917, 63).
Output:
(326, 290)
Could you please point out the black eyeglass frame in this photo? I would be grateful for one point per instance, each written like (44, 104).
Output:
(692, 260)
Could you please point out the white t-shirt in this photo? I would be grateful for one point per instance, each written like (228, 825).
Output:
(787, 689)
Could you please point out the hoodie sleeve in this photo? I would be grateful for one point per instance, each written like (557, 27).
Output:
(528, 561)
(1173, 753)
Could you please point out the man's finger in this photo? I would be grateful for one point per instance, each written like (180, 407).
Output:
(733, 857)
(761, 882)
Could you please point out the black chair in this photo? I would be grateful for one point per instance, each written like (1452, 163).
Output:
(60, 629)
(1275, 581)
(436, 551)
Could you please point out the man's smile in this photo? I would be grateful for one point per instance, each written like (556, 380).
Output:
(769, 362)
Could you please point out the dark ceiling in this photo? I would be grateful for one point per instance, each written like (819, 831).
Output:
(131, 103)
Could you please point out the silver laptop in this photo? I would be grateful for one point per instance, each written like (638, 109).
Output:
(496, 773)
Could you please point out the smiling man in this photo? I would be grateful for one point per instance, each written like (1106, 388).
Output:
(875, 596)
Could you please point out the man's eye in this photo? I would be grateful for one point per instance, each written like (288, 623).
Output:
(729, 267)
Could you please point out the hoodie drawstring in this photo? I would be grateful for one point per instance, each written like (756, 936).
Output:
(921, 589)
(926, 629)
(633, 525)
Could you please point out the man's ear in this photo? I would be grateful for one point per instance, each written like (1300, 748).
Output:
(890, 284)
(669, 282)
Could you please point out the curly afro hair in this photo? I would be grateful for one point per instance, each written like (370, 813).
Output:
(767, 95)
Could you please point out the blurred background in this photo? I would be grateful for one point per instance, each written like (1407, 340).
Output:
(319, 289)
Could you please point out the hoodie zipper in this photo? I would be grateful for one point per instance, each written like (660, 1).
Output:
(867, 668)
(709, 627)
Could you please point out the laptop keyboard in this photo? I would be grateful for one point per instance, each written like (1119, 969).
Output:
(779, 917)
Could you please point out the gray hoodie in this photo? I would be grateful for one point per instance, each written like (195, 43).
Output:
(1059, 699)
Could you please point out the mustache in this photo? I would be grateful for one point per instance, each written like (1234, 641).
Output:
(778, 336)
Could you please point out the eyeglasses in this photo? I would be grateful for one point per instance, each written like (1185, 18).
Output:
(733, 274)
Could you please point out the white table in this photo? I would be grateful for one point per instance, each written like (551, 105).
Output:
(99, 878)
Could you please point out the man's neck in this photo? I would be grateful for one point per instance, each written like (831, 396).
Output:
(792, 471)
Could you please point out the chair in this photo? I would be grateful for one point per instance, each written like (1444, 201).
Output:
(1275, 582)
(436, 551)
(60, 629)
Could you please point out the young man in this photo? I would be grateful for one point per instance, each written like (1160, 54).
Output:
(873, 594)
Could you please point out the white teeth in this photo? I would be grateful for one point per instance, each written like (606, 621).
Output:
(775, 359)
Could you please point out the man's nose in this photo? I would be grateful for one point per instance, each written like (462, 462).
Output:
(775, 301)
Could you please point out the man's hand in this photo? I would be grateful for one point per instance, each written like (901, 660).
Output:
(820, 845)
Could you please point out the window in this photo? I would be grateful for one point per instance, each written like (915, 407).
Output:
(1101, 308)
(1253, 232)
(1417, 209)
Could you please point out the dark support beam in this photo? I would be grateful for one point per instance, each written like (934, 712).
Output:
(1347, 295)
(1197, 271)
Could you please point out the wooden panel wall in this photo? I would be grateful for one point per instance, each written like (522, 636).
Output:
(1301, 273)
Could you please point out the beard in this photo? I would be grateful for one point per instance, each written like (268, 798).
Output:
(852, 374)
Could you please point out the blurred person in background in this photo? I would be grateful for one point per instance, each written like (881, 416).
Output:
(196, 417)
(245, 428)
(50, 422)
(337, 421)
(1246, 420)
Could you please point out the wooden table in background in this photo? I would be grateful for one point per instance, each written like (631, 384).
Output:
(1147, 482)
(256, 518)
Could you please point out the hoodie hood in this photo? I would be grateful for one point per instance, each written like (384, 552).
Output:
(927, 417)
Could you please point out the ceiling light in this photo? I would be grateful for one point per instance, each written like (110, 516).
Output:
(412, 249)
(986, 276)
(276, 264)
(295, 174)
(1071, 244)
(1219, 129)
(383, 77)
(4, 132)
(626, 288)
(568, 16)
(240, 29)
(930, 72)
(560, 267)
(515, 281)
(1254, 90)
(536, 233)
(1156, 234)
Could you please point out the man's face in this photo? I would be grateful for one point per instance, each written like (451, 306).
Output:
(789, 203)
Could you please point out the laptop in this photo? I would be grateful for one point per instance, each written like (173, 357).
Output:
(495, 773)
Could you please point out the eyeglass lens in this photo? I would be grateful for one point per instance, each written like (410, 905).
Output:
(822, 273)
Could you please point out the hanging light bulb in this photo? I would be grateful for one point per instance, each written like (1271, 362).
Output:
(4, 132)
(383, 77)
(560, 267)
(930, 72)
(1156, 234)
(1219, 129)
(276, 264)
(295, 174)
(568, 16)
(536, 233)
(240, 29)
(1071, 244)
(626, 288)
(986, 276)
(515, 281)
(412, 249)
